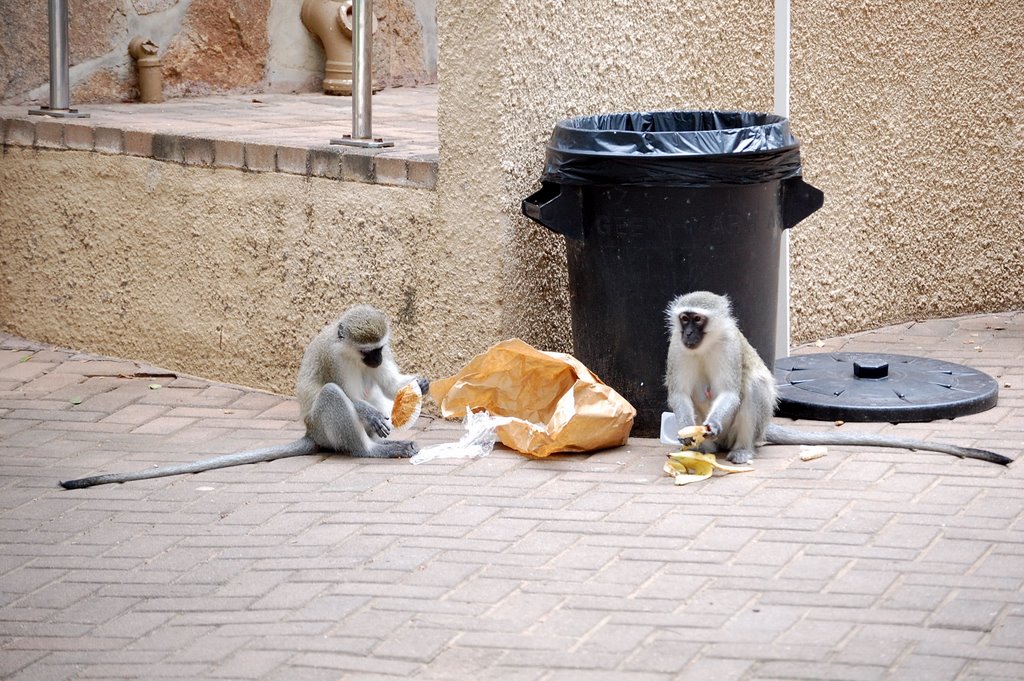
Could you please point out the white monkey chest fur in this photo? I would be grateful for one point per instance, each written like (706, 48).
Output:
(701, 394)
(365, 386)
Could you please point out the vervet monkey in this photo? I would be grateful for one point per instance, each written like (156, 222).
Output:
(346, 386)
(716, 378)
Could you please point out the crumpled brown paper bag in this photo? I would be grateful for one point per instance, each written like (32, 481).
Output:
(556, 404)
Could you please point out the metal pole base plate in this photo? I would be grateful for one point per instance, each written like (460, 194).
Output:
(57, 113)
(371, 142)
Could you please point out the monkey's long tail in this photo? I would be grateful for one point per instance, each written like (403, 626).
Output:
(781, 435)
(300, 447)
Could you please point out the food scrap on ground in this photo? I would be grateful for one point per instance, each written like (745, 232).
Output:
(687, 467)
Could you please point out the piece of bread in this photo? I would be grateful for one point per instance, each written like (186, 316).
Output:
(408, 401)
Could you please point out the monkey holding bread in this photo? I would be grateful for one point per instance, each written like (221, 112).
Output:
(346, 387)
(718, 383)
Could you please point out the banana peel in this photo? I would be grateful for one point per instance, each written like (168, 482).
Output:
(688, 467)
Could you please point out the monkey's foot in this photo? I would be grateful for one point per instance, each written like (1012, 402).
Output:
(741, 456)
(401, 449)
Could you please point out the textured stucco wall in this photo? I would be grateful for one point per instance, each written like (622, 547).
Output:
(498, 106)
(213, 272)
(909, 115)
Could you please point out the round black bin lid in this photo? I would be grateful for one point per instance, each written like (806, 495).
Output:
(852, 386)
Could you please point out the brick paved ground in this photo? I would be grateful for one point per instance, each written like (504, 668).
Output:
(861, 565)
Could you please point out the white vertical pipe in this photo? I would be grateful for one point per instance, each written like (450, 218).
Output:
(782, 109)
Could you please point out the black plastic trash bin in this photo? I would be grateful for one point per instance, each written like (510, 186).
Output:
(655, 204)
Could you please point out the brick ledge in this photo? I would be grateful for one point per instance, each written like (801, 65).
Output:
(349, 164)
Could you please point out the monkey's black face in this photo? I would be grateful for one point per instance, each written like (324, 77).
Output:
(691, 326)
(373, 358)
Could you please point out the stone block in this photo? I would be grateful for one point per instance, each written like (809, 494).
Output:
(168, 148)
(78, 136)
(197, 151)
(50, 134)
(20, 133)
(356, 166)
(228, 154)
(325, 163)
(138, 143)
(261, 157)
(108, 140)
(390, 170)
(293, 160)
(423, 173)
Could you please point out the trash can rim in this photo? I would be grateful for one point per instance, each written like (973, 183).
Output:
(672, 155)
(770, 119)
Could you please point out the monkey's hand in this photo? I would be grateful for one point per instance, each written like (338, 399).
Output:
(691, 436)
(424, 385)
(372, 419)
(712, 429)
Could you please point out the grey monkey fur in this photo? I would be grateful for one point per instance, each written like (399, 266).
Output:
(346, 385)
(715, 376)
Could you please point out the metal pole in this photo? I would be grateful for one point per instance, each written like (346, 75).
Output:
(782, 31)
(362, 76)
(362, 79)
(60, 97)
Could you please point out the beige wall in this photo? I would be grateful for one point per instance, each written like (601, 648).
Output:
(909, 115)
(210, 272)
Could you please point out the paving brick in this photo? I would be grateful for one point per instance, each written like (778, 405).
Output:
(163, 425)
(79, 137)
(197, 151)
(390, 170)
(108, 140)
(260, 157)
(251, 664)
(293, 160)
(722, 669)
(138, 143)
(20, 133)
(228, 153)
(423, 172)
(285, 596)
(168, 147)
(14, 660)
(49, 134)
(325, 163)
(967, 613)
(357, 167)
(415, 643)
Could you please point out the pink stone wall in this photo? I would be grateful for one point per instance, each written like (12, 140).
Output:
(206, 47)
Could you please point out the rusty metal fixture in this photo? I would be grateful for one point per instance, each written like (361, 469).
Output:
(151, 84)
(331, 22)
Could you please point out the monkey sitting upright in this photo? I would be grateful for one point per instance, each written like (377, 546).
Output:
(713, 374)
(346, 386)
